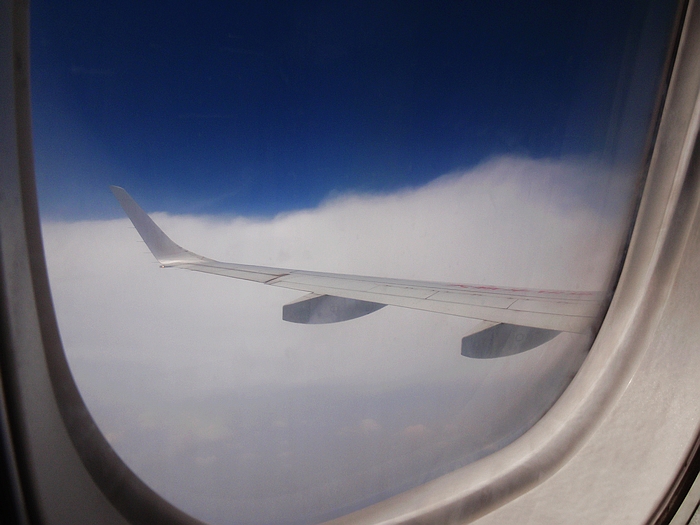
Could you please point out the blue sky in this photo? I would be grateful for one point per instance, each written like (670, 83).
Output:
(260, 107)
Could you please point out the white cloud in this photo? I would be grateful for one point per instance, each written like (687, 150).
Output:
(131, 329)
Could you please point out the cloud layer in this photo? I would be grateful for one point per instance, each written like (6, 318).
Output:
(237, 416)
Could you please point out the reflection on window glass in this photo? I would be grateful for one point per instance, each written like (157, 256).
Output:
(485, 143)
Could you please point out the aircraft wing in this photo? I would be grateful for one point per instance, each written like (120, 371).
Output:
(529, 316)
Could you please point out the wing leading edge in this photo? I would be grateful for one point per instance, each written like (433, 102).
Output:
(515, 319)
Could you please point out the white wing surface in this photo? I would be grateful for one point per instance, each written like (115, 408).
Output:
(338, 297)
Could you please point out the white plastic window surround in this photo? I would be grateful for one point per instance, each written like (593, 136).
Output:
(613, 449)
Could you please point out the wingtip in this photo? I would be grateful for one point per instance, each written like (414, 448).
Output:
(120, 193)
(161, 246)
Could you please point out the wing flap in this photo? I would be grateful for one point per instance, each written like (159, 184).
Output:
(258, 274)
(404, 291)
(300, 280)
(586, 309)
(494, 301)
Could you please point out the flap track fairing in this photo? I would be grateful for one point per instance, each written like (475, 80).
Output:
(504, 339)
(322, 309)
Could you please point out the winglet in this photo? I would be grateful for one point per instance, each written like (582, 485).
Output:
(161, 246)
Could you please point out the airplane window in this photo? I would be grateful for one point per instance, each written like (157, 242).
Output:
(474, 168)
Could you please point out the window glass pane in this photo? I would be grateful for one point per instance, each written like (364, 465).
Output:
(494, 144)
